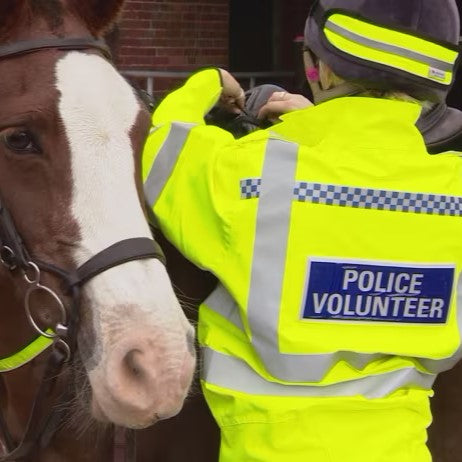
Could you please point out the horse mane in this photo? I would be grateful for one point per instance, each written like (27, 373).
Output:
(98, 15)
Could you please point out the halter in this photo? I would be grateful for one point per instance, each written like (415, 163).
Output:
(16, 258)
(30, 46)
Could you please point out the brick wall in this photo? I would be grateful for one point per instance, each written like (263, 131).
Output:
(171, 35)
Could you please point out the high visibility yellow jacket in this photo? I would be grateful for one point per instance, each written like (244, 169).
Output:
(335, 236)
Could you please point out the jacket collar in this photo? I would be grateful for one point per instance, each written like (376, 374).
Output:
(360, 120)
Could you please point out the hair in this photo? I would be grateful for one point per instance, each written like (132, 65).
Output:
(333, 80)
(396, 96)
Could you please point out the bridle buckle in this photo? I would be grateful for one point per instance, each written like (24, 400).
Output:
(7, 258)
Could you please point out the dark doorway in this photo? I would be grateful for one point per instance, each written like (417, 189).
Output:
(251, 32)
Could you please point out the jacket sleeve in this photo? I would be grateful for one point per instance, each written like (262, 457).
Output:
(179, 159)
(192, 101)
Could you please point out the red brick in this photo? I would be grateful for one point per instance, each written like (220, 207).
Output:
(173, 35)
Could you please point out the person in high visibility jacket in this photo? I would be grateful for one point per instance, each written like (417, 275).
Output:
(335, 237)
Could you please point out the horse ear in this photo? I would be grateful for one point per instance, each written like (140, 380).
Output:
(98, 15)
(10, 11)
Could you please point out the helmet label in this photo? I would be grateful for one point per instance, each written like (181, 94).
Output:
(436, 74)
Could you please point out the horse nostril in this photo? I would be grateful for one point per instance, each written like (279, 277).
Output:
(133, 364)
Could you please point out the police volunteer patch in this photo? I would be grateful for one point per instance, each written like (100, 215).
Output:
(377, 291)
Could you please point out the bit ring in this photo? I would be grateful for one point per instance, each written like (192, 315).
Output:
(59, 304)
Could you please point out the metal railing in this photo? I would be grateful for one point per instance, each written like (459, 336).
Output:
(151, 76)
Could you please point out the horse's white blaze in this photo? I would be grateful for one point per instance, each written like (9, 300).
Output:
(98, 110)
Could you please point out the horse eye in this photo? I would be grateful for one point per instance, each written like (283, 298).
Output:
(21, 141)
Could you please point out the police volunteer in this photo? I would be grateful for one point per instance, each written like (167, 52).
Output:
(379, 295)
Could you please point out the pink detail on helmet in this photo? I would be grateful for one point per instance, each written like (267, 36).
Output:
(312, 74)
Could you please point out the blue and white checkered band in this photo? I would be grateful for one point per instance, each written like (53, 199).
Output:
(395, 201)
(366, 198)
(250, 188)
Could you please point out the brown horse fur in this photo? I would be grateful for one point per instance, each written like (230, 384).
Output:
(25, 186)
(97, 15)
(35, 190)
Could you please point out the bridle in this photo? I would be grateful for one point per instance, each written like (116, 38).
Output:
(15, 257)
(74, 43)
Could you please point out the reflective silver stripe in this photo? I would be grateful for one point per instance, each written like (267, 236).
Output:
(221, 302)
(440, 365)
(165, 161)
(269, 254)
(267, 275)
(217, 366)
(404, 52)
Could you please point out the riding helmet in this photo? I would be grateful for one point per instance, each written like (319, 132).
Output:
(400, 45)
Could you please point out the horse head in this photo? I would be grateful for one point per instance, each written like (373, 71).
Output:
(71, 135)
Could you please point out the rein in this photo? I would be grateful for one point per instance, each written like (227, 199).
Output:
(15, 257)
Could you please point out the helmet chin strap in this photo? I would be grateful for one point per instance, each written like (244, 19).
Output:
(319, 94)
(344, 89)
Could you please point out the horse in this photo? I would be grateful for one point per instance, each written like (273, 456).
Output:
(91, 329)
